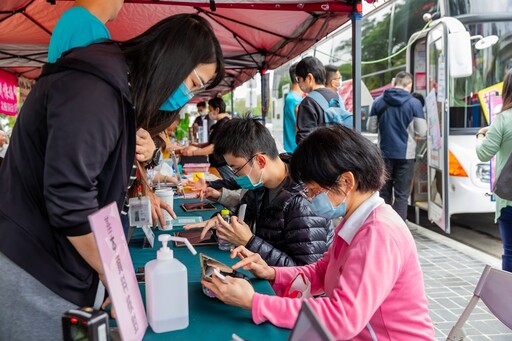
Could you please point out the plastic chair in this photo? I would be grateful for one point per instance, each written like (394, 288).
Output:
(494, 290)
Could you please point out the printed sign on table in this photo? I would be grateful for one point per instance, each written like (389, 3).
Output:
(117, 264)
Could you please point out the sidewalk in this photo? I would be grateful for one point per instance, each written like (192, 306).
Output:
(451, 271)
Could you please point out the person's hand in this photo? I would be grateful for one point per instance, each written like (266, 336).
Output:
(189, 151)
(234, 232)
(205, 225)
(210, 193)
(483, 130)
(106, 303)
(157, 205)
(253, 262)
(237, 291)
(145, 146)
(196, 186)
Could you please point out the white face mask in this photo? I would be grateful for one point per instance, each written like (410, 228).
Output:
(338, 87)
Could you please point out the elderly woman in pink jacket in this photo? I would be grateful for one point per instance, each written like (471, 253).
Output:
(371, 276)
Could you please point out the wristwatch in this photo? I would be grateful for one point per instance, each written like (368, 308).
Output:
(155, 159)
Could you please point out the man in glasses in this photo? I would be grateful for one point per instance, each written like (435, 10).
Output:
(279, 224)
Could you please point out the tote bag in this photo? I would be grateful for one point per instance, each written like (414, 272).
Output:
(503, 185)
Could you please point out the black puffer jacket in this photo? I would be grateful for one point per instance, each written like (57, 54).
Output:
(287, 233)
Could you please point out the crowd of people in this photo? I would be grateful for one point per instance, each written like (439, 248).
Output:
(331, 209)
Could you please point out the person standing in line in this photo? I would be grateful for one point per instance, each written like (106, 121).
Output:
(496, 140)
(291, 108)
(311, 77)
(202, 121)
(399, 119)
(333, 80)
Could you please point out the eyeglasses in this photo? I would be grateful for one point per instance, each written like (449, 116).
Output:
(201, 86)
(237, 170)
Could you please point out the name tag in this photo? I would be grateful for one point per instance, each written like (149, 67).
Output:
(140, 211)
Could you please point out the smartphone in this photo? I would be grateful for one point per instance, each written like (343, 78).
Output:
(209, 264)
(198, 206)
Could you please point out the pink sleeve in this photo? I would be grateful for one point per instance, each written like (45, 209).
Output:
(369, 274)
(314, 272)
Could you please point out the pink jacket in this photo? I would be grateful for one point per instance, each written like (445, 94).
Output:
(372, 278)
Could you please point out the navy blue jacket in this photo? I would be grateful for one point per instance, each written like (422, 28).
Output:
(399, 119)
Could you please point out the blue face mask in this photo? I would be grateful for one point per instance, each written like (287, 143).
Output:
(178, 99)
(245, 181)
(322, 206)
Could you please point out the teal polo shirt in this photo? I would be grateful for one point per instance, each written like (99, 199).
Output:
(76, 27)
(290, 121)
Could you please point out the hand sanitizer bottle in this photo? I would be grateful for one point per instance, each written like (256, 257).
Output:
(167, 288)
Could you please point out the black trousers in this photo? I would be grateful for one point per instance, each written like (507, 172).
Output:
(398, 186)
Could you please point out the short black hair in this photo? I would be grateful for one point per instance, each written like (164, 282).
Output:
(330, 73)
(201, 104)
(244, 137)
(420, 98)
(313, 66)
(291, 71)
(218, 103)
(328, 152)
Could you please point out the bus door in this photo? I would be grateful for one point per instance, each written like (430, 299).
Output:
(428, 64)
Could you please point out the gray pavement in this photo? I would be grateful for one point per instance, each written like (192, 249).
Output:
(451, 271)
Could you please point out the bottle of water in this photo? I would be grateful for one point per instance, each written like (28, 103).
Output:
(224, 244)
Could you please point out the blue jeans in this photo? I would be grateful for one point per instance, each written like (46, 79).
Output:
(505, 224)
(398, 185)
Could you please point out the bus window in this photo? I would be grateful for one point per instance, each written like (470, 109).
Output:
(490, 66)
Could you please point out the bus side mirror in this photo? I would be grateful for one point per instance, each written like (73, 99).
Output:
(459, 54)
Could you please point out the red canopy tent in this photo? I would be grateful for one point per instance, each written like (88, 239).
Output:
(255, 35)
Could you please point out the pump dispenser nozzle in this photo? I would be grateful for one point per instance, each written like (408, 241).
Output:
(165, 252)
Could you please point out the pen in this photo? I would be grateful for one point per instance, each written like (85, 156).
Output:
(235, 337)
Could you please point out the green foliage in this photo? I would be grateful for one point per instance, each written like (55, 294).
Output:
(378, 43)
(285, 79)
(241, 109)
(227, 99)
(182, 128)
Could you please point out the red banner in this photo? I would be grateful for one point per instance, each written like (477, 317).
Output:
(8, 93)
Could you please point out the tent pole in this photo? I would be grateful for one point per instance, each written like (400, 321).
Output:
(264, 94)
(356, 17)
(232, 100)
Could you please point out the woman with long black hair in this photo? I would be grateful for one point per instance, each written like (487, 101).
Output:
(72, 152)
